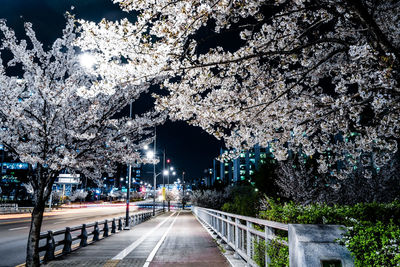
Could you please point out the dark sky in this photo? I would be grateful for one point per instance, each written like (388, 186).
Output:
(190, 148)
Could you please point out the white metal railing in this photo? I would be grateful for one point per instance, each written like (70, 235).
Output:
(241, 232)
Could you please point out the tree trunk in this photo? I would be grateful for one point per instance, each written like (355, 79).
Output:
(32, 252)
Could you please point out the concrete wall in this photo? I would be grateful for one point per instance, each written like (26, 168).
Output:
(314, 246)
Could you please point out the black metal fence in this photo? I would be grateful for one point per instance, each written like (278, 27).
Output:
(72, 238)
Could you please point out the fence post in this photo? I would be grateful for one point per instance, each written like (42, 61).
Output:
(113, 226)
(50, 247)
(67, 241)
(96, 232)
(248, 237)
(105, 229)
(126, 222)
(229, 232)
(119, 224)
(83, 236)
(237, 236)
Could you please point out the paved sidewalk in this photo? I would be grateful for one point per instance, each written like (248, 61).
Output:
(171, 239)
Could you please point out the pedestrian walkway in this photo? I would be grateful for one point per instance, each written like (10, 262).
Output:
(171, 239)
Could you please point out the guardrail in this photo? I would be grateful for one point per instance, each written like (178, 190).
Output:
(241, 233)
(8, 207)
(85, 234)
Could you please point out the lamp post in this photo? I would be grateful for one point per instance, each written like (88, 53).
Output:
(169, 170)
(127, 224)
(154, 172)
(152, 155)
(183, 190)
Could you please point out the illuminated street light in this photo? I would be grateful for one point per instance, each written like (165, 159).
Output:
(165, 172)
(146, 147)
(150, 154)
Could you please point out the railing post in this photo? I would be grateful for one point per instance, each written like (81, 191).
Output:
(229, 232)
(105, 229)
(248, 237)
(67, 241)
(126, 222)
(222, 225)
(269, 235)
(113, 226)
(50, 247)
(83, 236)
(119, 224)
(96, 232)
(237, 236)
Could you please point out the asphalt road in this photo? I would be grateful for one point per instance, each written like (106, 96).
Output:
(14, 231)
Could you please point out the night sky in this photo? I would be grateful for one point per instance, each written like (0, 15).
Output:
(190, 148)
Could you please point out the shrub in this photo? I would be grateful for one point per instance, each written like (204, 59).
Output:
(244, 200)
(277, 252)
(374, 244)
(373, 235)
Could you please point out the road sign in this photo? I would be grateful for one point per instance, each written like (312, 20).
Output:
(69, 179)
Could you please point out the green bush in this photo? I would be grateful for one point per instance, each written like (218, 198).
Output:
(373, 235)
(374, 244)
(277, 252)
(244, 201)
(259, 252)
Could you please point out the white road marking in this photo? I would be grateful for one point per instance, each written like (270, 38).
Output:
(18, 228)
(157, 247)
(134, 245)
(62, 221)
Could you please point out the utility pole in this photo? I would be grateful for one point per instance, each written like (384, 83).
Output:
(154, 171)
(163, 179)
(183, 190)
(169, 201)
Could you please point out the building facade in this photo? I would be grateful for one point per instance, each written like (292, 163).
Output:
(240, 168)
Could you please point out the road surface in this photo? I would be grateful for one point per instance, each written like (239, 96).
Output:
(14, 231)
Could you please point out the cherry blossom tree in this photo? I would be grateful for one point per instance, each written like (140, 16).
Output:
(298, 180)
(78, 194)
(57, 114)
(317, 75)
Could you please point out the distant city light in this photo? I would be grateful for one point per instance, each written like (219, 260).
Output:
(165, 172)
(146, 147)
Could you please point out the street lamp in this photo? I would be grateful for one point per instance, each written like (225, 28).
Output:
(151, 155)
(127, 224)
(183, 191)
(170, 170)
